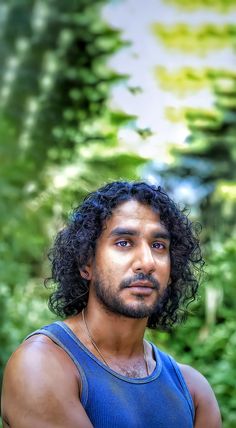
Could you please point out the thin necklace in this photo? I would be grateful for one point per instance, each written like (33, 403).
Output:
(98, 350)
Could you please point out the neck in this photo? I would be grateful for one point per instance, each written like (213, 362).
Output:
(116, 334)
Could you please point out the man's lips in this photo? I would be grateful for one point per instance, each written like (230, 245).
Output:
(142, 284)
(141, 287)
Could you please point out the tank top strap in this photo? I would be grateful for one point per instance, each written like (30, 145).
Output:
(172, 367)
(62, 337)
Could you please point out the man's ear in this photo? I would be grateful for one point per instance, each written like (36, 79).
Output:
(86, 271)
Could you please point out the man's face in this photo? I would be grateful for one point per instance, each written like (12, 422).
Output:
(131, 267)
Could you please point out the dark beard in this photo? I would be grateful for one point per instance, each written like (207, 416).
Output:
(113, 303)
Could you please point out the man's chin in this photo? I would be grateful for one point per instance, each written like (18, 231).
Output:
(138, 308)
(135, 312)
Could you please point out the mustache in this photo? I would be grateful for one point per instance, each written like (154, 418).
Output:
(140, 277)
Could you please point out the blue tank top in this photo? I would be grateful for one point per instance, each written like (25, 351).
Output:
(111, 400)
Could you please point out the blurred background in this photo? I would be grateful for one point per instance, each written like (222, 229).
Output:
(96, 91)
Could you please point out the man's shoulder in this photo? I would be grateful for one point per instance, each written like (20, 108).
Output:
(206, 406)
(194, 379)
(37, 356)
(38, 380)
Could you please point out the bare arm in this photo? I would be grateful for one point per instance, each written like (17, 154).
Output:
(207, 413)
(41, 388)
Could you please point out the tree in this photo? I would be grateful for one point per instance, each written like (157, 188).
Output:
(203, 171)
(60, 140)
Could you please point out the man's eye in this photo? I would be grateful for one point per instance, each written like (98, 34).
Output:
(123, 244)
(158, 245)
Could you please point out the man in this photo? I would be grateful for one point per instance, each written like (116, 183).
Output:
(126, 260)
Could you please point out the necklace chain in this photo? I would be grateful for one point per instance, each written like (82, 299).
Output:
(92, 341)
(98, 350)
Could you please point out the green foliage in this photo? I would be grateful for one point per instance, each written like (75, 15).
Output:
(60, 141)
(200, 39)
(221, 5)
(206, 162)
(55, 80)
(212, 143)
(208, 342)
(189, 80)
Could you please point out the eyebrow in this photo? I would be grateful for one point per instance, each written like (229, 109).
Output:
(120, 231)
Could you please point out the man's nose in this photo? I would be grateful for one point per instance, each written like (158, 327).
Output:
(143, 260)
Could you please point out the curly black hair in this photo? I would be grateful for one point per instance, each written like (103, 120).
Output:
(76, 243)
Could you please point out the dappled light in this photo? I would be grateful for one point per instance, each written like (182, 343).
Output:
(70, 120)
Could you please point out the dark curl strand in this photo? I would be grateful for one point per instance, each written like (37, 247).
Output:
(75, 246)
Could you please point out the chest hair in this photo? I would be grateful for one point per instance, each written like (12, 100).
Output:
(136, 369)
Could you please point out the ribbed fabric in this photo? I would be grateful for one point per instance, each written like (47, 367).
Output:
(161, 400)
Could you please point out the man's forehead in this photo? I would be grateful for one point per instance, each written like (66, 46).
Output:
(133, 212)
(134, 208)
